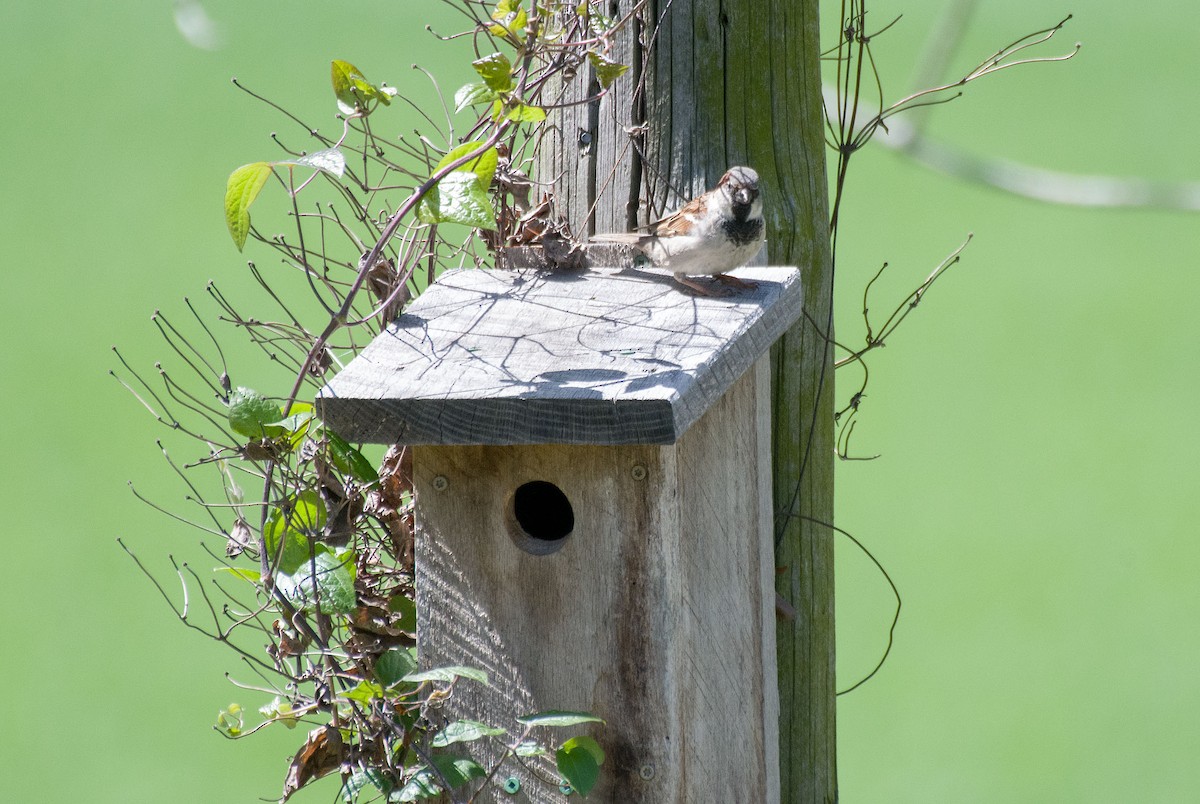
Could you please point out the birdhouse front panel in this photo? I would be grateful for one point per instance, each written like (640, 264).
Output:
(632, 582)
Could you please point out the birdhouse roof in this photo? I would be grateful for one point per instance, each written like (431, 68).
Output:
(505, 357)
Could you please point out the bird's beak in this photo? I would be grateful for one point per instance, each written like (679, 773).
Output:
(743, 195)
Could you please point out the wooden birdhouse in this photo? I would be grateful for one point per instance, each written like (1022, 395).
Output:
(592, 471)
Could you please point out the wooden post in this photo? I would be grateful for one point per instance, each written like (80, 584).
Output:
(594, 521)
(737, 82)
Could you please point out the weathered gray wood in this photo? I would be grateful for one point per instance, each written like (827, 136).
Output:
(723, 82)
(497, 357)
(581, 257)
(656, 614)
(779, 124)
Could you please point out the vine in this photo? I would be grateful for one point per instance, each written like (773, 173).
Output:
(312, 538)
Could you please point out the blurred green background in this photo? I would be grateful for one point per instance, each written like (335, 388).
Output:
(1035, 501)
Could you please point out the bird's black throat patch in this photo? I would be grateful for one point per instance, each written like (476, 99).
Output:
(740, 229)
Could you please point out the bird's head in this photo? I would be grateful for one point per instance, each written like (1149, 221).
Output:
(739, 186)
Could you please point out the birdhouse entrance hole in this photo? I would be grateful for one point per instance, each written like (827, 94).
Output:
(542, 517)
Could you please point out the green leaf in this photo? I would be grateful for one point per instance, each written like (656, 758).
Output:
(587, 744)
(471, 94)
(458, 770)
(295, 545)
(510, 19)
(253, 576)
(596, 22)
(406, 607)
(343, 75)
(425, 784)
(330, 161)
(529, 748)
(348, 460)
(361, 780)
(496, 72)
(364, 692)
(296, 425)
(464, 731)
(448, 674)
(250, 412)
(352, 89)
(556, 717)
(483, 166)
(229, 720)
(394, 665)
(243, 187)
(298, 408)
(521, 113)
(308, 513)
(458, 198)
(327, 576)
(579, 767)
(606, 71)
(280, 711)
(303, 520)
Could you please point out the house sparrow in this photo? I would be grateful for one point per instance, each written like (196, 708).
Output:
(714, 233)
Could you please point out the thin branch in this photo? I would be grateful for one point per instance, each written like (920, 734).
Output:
(896, 592)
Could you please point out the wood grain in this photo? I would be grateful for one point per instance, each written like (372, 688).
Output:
(656, 614)
(501, 357)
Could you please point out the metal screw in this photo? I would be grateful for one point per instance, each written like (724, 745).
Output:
(638, 472)
(565, 788)
(646, 771)
(512, 785)
(440, 483)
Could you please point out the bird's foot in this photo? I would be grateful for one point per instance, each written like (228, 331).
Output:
(730, 279)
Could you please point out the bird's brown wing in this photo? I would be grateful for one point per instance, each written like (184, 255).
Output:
(679, 223)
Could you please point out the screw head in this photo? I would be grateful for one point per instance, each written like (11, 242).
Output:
(638, 472)
(565, 788)
(646, 771)
(512, 785)
(440, 483)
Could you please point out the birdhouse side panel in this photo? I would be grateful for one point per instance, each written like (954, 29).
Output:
(727, 693)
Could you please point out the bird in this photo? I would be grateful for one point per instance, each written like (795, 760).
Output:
(710, 235)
